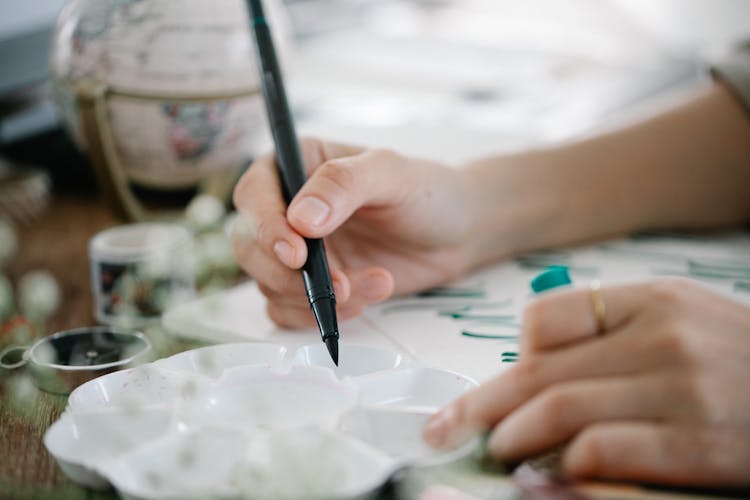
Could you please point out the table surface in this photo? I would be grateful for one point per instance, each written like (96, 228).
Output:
(58, 243)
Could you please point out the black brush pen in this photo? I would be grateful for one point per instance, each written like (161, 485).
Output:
(289, 162)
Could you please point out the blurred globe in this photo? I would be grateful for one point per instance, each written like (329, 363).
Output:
(180, 82)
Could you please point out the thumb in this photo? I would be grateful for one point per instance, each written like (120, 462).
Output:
(338, 187)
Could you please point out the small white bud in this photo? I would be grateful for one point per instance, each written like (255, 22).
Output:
(204, 212)
(38, 294)
(216, 249)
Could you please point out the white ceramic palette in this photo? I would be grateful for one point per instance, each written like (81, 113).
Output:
(235, 419)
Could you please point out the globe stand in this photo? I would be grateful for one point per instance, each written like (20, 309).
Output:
(102, 151)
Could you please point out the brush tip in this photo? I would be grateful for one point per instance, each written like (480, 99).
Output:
(332, 344)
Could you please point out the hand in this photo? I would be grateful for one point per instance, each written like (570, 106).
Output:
(661, 396)
(391, 225)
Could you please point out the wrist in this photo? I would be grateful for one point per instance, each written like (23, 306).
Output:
(515, 205)
(542, 199)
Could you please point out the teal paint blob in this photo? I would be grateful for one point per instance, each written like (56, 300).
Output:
(552, 277)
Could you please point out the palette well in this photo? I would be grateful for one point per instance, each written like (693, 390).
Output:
(229, 420)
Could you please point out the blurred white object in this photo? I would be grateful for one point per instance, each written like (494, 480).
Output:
(138, 270)
(204, 212)
(38, 295)
(691, 25)
(253, 419)
(457, 80)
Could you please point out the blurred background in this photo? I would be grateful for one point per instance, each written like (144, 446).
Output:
(449, 80)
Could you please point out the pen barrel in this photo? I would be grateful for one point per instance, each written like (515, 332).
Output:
(291, 170)
(315, 272)
(288, 154)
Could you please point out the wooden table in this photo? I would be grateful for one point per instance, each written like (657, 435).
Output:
(57, 243)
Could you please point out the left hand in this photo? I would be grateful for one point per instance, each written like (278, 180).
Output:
(662, 395)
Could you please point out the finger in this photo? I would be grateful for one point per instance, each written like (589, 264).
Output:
(564, 317)
(315, 152)
(258, 199)
(632, 349)
(370, 285)
(340, 186)
(661, 453)
(269, 272)
(288, 316)
(258, 196)
(341, 289)
(358, 287)
(556, 414)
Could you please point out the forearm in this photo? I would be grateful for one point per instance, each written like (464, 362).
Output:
(686, 168)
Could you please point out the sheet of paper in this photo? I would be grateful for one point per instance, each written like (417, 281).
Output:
(468, 325)
(434, 330)
(239, 315)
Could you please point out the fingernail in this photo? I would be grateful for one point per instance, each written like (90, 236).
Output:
(311, 210)
(436, 430)
(284, 252)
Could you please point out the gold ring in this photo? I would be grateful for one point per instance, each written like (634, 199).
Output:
(598, 302)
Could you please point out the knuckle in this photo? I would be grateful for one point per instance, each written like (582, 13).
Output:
(676, 340)
(670, 292)
(264, 230)
(533, 319)
(267, 291)
(461, 410)
(313, 151)
(696, 401)
(525, 375)
(386, 155)
(467, 414)
(588, 451)
(240, 195)
(557, 406)
(310, 141)
(528, 368)
(340, 174)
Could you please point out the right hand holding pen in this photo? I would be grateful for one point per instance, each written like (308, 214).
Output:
(391, 224)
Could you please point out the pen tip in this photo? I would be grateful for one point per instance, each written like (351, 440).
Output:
(332, 343)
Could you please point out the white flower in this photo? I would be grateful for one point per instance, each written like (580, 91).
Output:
(38, 294)
(216, 250)
(204, 212)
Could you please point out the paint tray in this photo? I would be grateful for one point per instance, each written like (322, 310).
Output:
(255, 420)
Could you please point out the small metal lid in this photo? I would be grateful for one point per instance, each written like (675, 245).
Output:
(62, 361)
